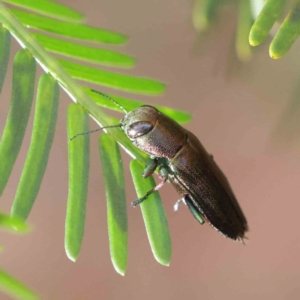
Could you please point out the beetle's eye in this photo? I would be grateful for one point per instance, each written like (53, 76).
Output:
(138, 129)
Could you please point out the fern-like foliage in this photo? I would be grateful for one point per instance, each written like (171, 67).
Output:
(40, 47)
(256, 18)
(288, 31)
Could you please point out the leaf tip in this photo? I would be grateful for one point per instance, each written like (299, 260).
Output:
(273, 54)
(253, 42)
(165, 261)
(71, 256)
(119, 271)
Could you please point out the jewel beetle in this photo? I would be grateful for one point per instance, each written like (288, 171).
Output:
(181, 159)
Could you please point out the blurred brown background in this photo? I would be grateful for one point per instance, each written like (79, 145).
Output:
(246, 115)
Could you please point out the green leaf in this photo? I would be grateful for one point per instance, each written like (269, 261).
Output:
(13, 224)
(154, 215)
(41, 141)
(20, 105)
(113, 80)
(265, 21)
(243, 48)
(83, 52)
(14, 288)
(72, 30)
(73, 88)
(129, 104)
(204, 12)
(79, 151)
(113, 174)
(4, 53)
(287, 33)
(49, 8)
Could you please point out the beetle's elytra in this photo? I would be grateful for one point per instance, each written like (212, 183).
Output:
(182, 160)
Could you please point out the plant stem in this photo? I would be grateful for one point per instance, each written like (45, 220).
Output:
(75, 91)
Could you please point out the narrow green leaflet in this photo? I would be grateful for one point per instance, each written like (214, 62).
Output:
(129, 104)
(22, 95)
(265, 21)
(287, 33)
(113, 173)
(84, 52)
(256, 7)
(79, 162)
(242, 46)
(154, 215)
(22, 34)
(204, 12)
(13, 224)
(4, 53)
(125, 142)
(178, 115)
(41, 141)
(72, 30)
(113, 80)
(15, 288)
(49, 8)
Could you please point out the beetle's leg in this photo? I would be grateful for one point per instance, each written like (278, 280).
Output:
(178, 202)
(194, 209)
(156, 188)
(149, 170)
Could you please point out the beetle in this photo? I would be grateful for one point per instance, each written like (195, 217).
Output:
(182, 160)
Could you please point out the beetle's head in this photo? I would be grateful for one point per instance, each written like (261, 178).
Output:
(139, 121)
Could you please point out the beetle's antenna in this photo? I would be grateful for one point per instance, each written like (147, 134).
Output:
(111, 99)
(88, 132)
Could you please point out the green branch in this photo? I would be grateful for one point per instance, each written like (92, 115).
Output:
(49, 64)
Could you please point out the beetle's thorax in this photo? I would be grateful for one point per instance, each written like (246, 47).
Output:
(153, 132)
